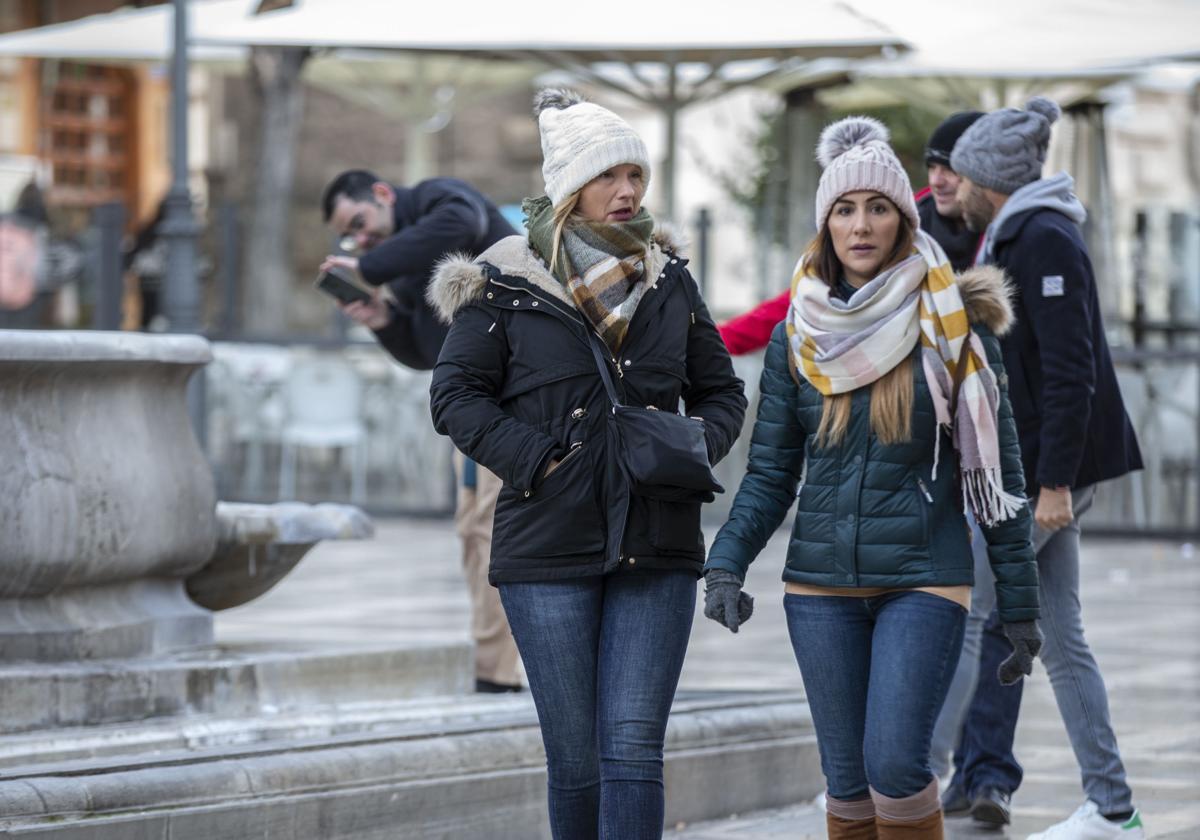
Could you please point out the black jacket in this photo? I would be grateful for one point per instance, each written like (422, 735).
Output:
(959, 243)
(516, 384)
(1071, 419)
(434, 218)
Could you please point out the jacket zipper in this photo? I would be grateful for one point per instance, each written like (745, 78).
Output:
(577, 318)
(924, 490)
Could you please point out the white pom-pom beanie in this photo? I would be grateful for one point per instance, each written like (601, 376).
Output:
(581, 140)
(856, 156)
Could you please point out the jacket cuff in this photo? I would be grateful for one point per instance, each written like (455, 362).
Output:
(725, 565)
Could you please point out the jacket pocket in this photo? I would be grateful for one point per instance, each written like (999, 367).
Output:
(559, 517)
(675, 526)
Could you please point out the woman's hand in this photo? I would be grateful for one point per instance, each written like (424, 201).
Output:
(724, 600)
(1026, 640)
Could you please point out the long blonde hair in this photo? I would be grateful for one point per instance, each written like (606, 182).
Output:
(892, 393)
(562, 214)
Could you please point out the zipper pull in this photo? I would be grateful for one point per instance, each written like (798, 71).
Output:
(617, 365)
(924, 490)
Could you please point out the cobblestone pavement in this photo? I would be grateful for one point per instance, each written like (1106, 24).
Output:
(1141, 608)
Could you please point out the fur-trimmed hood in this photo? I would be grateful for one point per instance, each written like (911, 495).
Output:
(460, 279)
(987, 296)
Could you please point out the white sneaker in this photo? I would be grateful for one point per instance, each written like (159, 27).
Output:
(1087, 823)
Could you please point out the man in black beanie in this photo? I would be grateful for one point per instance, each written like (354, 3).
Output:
(937, 204)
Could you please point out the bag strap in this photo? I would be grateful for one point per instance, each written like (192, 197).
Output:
(605, 374)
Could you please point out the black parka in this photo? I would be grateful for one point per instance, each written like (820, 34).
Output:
(516, 385)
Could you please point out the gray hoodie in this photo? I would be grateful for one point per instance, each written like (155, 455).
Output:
(1054, 193)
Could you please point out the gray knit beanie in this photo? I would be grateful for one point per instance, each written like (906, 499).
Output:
(856, 157)
(581, 140)
(1006, 149)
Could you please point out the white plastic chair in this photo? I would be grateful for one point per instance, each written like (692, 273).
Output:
(323, 400)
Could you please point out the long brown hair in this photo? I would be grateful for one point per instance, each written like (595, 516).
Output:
(892, 393)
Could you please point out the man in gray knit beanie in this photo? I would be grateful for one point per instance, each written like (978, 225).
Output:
(1074, 433)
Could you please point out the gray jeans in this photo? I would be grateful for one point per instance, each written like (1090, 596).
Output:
(1074, 676)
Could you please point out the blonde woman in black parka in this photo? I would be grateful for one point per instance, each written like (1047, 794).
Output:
(598, 581)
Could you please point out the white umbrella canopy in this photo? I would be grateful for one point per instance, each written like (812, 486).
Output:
(668, 54)
(125, 35)
(989, 55)
(685, 31)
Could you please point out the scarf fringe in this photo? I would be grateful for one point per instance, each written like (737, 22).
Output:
(985, 496)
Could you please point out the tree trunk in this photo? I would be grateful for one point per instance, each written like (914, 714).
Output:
(266, 265)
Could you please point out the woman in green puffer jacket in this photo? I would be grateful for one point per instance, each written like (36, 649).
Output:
(883, 398)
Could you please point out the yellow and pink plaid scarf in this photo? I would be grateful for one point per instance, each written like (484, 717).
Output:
(840, 346)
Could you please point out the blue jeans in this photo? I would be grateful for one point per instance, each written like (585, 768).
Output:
(987, 740)
(875, 672)
(603, 656)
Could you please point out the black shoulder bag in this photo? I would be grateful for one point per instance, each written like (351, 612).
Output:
(663, 454)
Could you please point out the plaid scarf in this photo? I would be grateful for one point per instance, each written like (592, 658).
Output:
(839, 346)
(600, 263)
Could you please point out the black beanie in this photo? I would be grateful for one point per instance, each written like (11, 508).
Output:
(941, 142)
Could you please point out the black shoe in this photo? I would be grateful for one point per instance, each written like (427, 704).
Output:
(489, 687)
(991, 808)
(955, 802)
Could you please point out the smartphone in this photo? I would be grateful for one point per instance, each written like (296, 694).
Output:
(341, 289)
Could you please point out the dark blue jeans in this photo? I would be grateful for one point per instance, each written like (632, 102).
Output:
(984, 758)
(876, 672)
(603, 656)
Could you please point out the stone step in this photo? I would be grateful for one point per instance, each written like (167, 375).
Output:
(226, 681)
(455, 767)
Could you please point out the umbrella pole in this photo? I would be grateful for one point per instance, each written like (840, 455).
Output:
(181, 303)
(671, 111)
(182, 298)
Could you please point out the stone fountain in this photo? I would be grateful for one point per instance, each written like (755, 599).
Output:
(123, 720)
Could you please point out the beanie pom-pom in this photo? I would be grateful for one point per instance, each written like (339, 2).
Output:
(1048, 108)
(844, 135)
(556, 98)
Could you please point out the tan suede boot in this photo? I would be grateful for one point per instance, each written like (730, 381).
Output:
(840, 829)
(926, 828)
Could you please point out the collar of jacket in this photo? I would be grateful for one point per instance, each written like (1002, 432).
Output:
(403, 214)
(987, 297)
(460, 279)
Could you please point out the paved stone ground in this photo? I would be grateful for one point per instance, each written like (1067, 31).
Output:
(1142, 610)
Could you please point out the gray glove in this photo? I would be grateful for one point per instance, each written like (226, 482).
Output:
(1026, 640)
(724, 600)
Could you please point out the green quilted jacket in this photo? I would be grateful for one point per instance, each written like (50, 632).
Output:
(871, 514)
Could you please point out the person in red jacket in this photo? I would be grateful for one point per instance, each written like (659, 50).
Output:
(941, 218)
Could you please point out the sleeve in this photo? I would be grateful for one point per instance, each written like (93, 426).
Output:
(448, 220)
(1009, 546)
(469, 375)
(751, 330)
(768, 489)
(1055, 279)
(714, 391)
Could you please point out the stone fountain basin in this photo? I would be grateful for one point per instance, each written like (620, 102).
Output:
(258, 545)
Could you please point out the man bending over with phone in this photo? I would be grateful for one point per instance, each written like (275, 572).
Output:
(399, 234)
